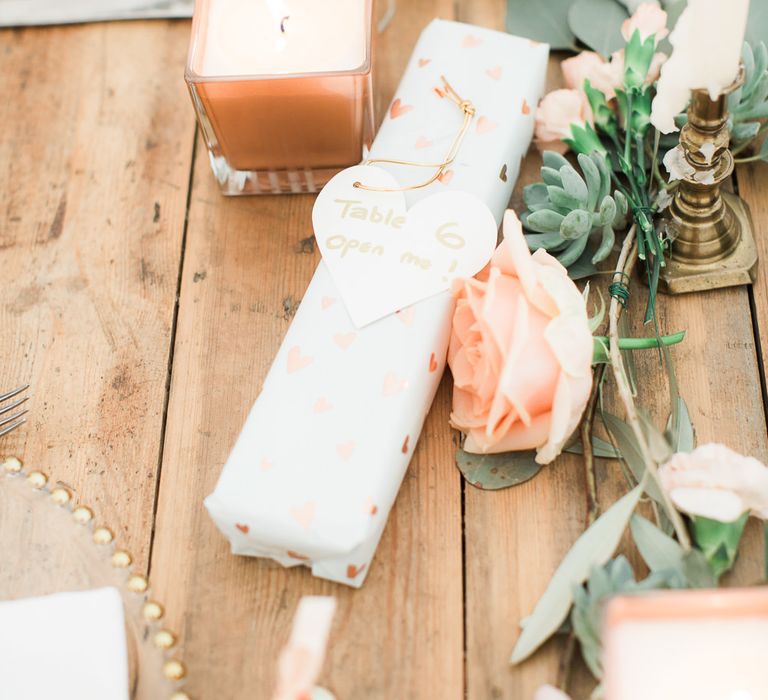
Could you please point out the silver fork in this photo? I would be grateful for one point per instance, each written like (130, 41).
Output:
(12, 414)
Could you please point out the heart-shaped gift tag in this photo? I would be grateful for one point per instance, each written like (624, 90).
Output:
(383, 256)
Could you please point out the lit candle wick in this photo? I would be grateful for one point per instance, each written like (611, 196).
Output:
(283, 23)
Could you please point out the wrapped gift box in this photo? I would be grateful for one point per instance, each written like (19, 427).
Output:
(319, 462)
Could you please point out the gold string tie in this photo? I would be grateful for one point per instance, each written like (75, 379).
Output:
(467, 109)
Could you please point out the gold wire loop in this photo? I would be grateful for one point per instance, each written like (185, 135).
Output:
(467, 109)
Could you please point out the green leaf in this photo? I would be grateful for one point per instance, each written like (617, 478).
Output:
(658, 550)
(554, 160)
(593, 548)
(545, 22)
(626, 442)
(577, 224)
(597, 23)
(551, 176)
(497, 471)
(560, 198)
(697, 570)
(574, 184)
(719, 541)
(573, 252)
(744, 131)
(544, 221)
(592, 178)
(535, 193)
(600, 448)
(548, 241)
(583, 267)
(684, 438)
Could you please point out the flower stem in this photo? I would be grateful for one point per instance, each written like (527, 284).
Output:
(646, 343)
(625, 262)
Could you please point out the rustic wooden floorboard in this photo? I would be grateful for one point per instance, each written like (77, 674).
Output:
(95, 147)
(401, 635)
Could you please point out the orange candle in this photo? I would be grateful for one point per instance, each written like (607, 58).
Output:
(702, 644)
(282, 90)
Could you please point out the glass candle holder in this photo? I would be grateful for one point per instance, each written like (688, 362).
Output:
(702, 644)
(282, 90)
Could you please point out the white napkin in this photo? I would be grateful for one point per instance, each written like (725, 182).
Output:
(67, 646)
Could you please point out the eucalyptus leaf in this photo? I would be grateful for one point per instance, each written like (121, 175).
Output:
(684, 439)
(626, 442)
(600, 448)
(597, 23)
(658, 550)
(593, 548)
(541, 21)
(497, 471)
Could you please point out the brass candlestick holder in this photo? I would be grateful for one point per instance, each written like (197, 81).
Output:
(714, 245)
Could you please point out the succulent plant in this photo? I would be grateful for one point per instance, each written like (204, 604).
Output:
(567, 207)
(749, 103)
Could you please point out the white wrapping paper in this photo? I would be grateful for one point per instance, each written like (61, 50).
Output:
(319, 462)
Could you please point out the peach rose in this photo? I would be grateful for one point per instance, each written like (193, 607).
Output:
(557, 111)
(717, 483)
(603, 75)
(606, 76)
(520, 352)
(649, 19)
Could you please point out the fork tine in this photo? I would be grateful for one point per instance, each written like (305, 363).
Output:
(13, 426)
(10, 419)
(11, 406)
(15, 392)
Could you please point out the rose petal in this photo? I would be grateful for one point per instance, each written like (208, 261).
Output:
(715, 504)
(519, 437)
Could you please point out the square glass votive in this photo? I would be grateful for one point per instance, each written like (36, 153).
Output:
(702, 644)
(282, 90)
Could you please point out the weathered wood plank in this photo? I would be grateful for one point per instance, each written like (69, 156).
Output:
(95, 151)
(247, 264)
(36, 12)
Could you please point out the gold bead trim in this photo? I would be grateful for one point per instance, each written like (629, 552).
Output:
(38, 480)
(82, 515)
(103, 535)
(12, 465)
(61, 496)
(137, 583)
(173, 669)
(121, 559)
(153, 610)
(165, 639)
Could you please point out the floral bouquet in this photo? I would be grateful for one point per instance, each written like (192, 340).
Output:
(528, 371)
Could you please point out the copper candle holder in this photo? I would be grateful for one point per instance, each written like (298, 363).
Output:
(714, 244)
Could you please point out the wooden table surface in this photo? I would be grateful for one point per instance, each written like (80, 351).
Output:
(144, 309)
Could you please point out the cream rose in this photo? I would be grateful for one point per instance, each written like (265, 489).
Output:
(520, 352)
(717, 483)
(557, 111)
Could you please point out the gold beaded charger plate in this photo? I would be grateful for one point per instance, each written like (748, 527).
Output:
(49, 544)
